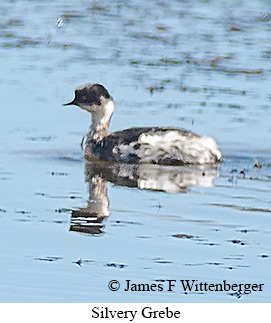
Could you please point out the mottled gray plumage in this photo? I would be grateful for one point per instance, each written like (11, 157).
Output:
(153, 145)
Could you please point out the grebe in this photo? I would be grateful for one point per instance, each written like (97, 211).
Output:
(151, 145)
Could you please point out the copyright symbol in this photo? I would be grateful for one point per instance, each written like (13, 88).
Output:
(113, 285)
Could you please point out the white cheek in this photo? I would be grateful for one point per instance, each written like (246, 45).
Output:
(109, 108)
(87, 107)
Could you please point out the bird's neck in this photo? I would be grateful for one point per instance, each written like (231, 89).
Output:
(100, 121)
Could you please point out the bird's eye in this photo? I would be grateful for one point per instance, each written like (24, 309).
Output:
(83, 98)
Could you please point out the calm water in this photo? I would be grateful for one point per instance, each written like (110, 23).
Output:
(200, 65)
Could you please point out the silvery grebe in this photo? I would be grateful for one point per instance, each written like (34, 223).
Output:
(153, 145)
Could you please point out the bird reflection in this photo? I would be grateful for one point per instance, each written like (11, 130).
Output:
(169, 179)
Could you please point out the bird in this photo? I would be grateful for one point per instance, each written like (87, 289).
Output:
(139, 145)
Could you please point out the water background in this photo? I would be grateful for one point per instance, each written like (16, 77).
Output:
(200, 65)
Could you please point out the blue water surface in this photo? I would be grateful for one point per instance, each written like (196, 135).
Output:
(200, 65)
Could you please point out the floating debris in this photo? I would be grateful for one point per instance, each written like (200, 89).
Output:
(127, 222)
(59, 174)
(149, 36)
(161, 27)
(241, 70)
(217, 59)
(161, 261)
(235, 241)
(266, 16)
(41, 138)
(160, 280)
(210, 244)
(156, 88)
(99, 8)
(24, 42)
(169, 61)
(246, 230)
(40, 194)
(236, 294)
(114, 265)
(71, 15)
(232, 179)
(243, 172)
(215, 263)
(23, 212)
(182, 236)
(159, 206)
(241, 208)
(194, 265)
(14, 22)
(63, 210)
(235, 28)
(50, 259)
(59, 23)
(79, 262)
(257, 164)
(264, 256)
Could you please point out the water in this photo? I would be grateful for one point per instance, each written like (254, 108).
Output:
(201, 65)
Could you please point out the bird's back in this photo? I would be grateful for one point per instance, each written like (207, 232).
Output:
(154, 145)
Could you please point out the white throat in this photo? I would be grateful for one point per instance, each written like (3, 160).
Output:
(101, 120)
